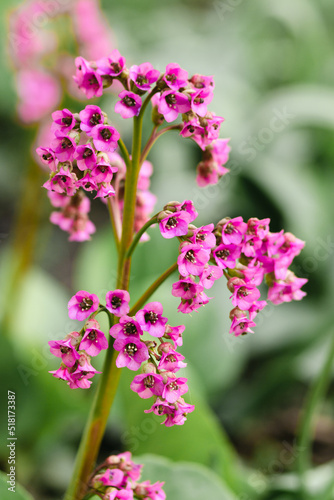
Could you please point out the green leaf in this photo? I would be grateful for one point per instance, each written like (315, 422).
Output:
(184, 481)
(19, 493)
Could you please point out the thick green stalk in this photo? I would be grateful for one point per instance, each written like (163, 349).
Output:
(315, 395)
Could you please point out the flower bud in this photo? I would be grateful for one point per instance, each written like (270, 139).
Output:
(237, 313)
(165, 347)
(148, 368)
(232, 282)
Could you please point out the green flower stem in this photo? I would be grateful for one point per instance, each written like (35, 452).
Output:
(153, 137)
(115, 222)
(152, 289)
(125, 153)
(138, 235)
(304, 438)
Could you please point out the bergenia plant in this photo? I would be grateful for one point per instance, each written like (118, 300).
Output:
(88, 159)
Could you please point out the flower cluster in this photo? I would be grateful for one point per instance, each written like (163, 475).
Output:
(30, 44)
(161, 361)
(159, 355)
(173, 94)
(76, 349)
(82, 157)
(245, 252)
(118, 479)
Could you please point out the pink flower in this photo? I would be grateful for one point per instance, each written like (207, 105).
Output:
(226, 255)
(151, 320)
(87, 79)
(85, 156)
(93, 342)
(207, 173)
(144, 75)
(132, 352)
(201, 81)
(63, 146)
(119, 494)
(150, 491)
(233, 230)
(87, 182)
(147, 385)
(175, 77)
(192, 260)
(210, 275)
(90, 117)
(186, 289)
(244, 295)
(204, 237)
(126, 328)
(174, 388)
(63, 121)
(105, 190)
(112, 65)
(241, 325)
(103, 171)
(172, 103)
(187, 206)
(48, 158)
(200, 101)
(129, 105)
(117, 302)
(175, 334)
(171, 361)
(110, 477)
(105, 138)
(82, 305)
(64, 349)
(62, 182)
(174, 224)
(287, 290)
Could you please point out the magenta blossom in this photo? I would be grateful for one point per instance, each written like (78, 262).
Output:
(63, 182)
(63, 120)
(112, 65)
(127, 327)
(174, 224)
(192, 260)
(226, 255)
(210, 275)
(129, 105)
(105, 138)
(200, 101)
(63, 146)
(103, 171)
(204, 237)
(110, 477)
(175, 77)
(172, 103)
(87, 79)
(132, 352)
(233, 230)
(90, 117)
(64, 349)
(186, 288)
(175, 334)
(171, 361)
(151, 320)
(144, 75)
(174, 388)
(48, 157)
(93, 342)
(117, 302)
(241, 326)
(244, 294)
(82, 305)
(148, 385)
(85, 156)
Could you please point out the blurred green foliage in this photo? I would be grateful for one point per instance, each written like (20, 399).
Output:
(274, 74)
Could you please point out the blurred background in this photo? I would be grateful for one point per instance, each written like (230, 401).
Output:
(273, 64)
